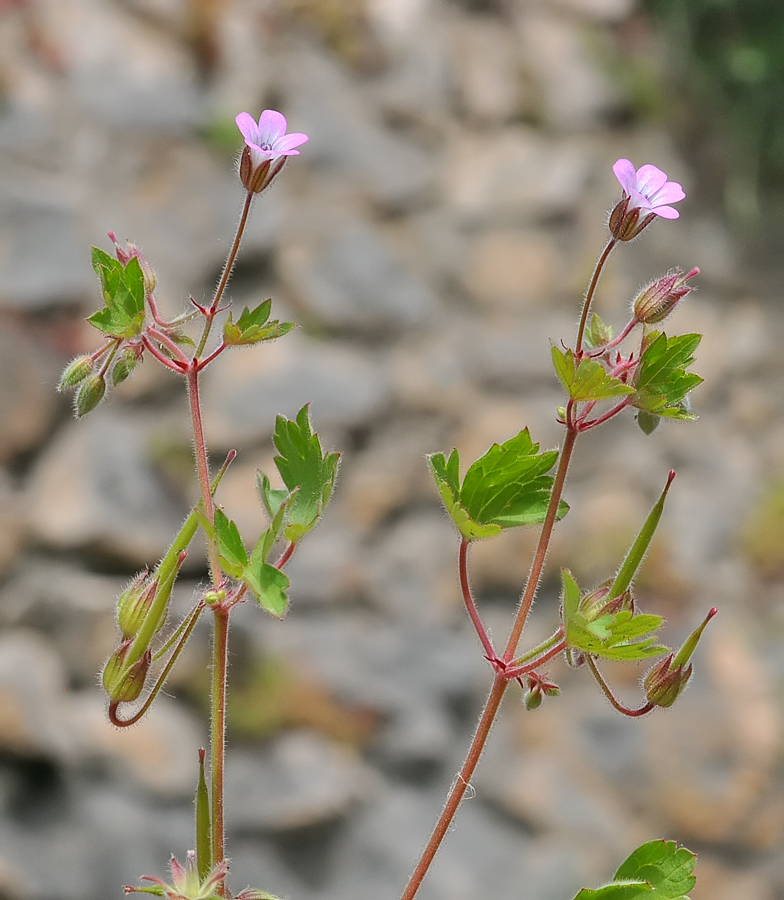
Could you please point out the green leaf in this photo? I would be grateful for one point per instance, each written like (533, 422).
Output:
(597, 334)
(308, 473)
(588, 380)
(658, 870)
(267, 540)
(269, 585)
(504, 488)
(253, 326)
(231, 550)
(662, 382)
(621, 635)
(123, 294)
(647, 422)
(203, 827)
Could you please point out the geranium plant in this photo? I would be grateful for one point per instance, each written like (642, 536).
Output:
(641, 369)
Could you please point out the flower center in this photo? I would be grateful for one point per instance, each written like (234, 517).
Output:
(266, 147)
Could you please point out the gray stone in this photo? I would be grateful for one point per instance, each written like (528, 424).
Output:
(96, 488)
(42, 258)
(33, 718)
(354, 281)
(513, 176)
(345, 133)
(244, 391)
(300, 781)
(72, 607)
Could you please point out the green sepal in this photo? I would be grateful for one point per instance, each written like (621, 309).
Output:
(657, 870)
(253, 326)
(662, 383)
(232, 555)
(636, 553)
(269, 585)
(123, 294)
(505, 488)
(308, 473)
(587, 380)
(597, 334)
(621, 635)
(203, 828)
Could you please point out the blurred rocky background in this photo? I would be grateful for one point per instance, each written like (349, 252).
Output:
(432, 239)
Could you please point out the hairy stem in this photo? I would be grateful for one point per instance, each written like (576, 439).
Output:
(225, 274)
(591, 290)
(220, 643)
(470, 605)
(500, 682)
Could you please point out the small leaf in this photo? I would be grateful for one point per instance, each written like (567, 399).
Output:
(662, 382)
(598, 333)
(647, 422)
(658, 870)
(587, 381)
(231, 551)
(203, 828)
(253, 326)
(304, 467)
(269, 585)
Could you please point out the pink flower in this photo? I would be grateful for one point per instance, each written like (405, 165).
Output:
(648, 189)
(267, 139)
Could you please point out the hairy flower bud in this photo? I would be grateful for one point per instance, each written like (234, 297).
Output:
(91, 392)
(124, 685)
(255, 175)
(134, 604)
(665, 682)
(75, 372)
(658, 299)
(124, 365)
(127, 253)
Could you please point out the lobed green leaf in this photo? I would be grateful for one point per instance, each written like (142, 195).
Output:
(587, 380)
(657, 870)
(662, 383)
(505, 488)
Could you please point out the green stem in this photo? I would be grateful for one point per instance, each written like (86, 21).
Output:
(220, 644)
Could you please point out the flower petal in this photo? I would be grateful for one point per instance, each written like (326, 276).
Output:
(625, 173)
(288, 142)
(650, 179)
(272, 126)
(248, 127)
(666, 212)
(671, 192)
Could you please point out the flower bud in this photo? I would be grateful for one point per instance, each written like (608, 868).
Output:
(666, 680)
(625, 224)
(91, 392)
(533, 698)
(124, 365)
(134, 604)
(657, 300)
(75, 372)
(126, 255)
(124, 685)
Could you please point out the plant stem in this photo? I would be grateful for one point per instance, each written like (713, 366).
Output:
(590, 292)
(225, 274)
(537, 565)
(459, 787)
(220, 643)
(202, 463)
(470, 605)
(500, 683)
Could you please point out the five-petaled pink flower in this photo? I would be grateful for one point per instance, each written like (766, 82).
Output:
(648, 189)
(267, 138)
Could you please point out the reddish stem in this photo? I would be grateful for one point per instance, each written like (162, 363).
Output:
(512, 672)
(285, 556)
(590, 292)
(632, 713)
(470, 604)
(172, 364)
(167, 342)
